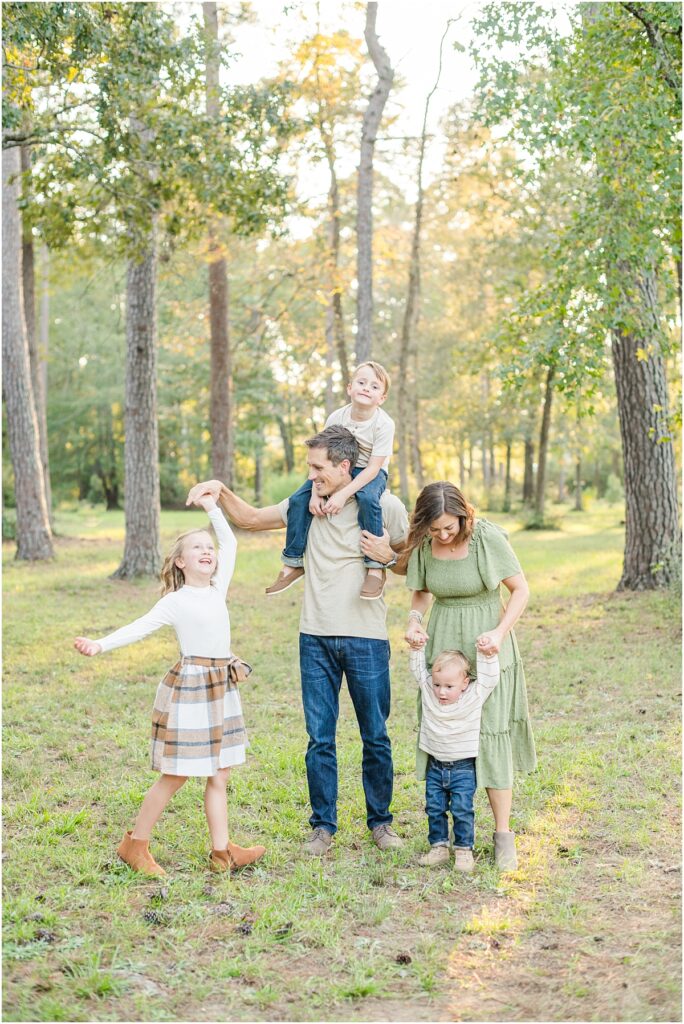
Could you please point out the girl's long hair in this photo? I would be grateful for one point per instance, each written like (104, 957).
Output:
(171, 576)
(434, 501)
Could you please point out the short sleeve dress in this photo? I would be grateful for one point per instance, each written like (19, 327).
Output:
(467, 602)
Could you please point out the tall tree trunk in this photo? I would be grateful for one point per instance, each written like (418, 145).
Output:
(36, 358)
(561, 478)
(528, 477)
(578, 484)
(651, 516)
(507, 485)
(142, 555)
(288, 446)
(221, 374)
(544, 445)
(34, 536)
(335, 320)
(461, 468)
(258, 475)
(364, 216)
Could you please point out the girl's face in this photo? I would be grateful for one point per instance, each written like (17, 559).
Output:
(198, 560)
(446, 528)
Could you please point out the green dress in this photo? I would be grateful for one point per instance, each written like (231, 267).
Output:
(467, 602)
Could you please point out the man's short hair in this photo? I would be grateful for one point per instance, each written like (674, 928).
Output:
(339, 443)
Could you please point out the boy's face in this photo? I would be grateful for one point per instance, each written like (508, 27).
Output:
(449, 682)
(366, 389)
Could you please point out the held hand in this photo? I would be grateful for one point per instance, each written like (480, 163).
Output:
(415, 636)
(377, 548)
(489, 643)
(335, 503)
(206, 501)
(88, 647)
(212, 487)
(316, 505)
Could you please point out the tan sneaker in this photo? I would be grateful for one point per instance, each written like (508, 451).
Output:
(284, 581)
(318, 843)
(373, 586)
(437, 855)
(505, 856)
(463, 859)
(385, 838)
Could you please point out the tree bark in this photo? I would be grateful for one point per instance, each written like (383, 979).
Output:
(288, 446)
(364, 217)
(528, 477)
(578, 484)
(507, 486)
(142, 554)
(34, 536)
(544, 445)
(651, 514)
(221, 373)
(37, 359)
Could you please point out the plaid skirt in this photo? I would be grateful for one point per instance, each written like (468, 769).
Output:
(197, 724)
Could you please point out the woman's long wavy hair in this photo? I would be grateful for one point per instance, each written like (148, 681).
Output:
(434, 501)
(171, 576)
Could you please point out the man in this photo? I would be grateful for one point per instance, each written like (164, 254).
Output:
(340, 634)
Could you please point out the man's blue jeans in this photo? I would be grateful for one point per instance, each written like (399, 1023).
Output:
(365, 664)
(450, 785)
(299, 518)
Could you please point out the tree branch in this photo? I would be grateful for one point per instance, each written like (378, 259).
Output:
(656, 41)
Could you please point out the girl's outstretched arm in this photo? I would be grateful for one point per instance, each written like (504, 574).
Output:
(227, 550)
(157, 617)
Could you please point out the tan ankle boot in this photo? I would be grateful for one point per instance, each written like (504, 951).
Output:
(241, 856)
(136, 853)
(234, 857)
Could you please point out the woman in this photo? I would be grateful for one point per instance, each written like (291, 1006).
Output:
(460, 561)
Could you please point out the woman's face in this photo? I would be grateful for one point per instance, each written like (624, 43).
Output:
(446, 528)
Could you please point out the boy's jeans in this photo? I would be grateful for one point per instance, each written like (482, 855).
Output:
(450, 785)
(299, 518)
(365, 663)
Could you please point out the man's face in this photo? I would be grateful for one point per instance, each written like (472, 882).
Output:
(326, 478)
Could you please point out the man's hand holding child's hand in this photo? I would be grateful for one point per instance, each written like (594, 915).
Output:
(335, 503)
(316, 505)
(86, 646)
(206, 501)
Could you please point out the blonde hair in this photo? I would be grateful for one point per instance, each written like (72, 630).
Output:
(171, 576)
(379, 371)
(446, 657)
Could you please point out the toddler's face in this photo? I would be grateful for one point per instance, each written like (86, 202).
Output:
(449, 682)
(366, 389)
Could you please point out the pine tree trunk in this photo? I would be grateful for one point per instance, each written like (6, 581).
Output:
(507, 486)
(34, 537)
(37, 361)
(142, 555)
(221, 373)
(578, 484)
(651, 515)
(528, 477)
(364, 216)
(544, 445)
(288, 446)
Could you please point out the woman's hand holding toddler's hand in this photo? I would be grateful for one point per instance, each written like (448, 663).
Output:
(86, 646)
(489, 643)
(415, 636)
(207, 487)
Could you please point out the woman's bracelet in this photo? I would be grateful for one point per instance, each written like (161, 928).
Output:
(415, 614)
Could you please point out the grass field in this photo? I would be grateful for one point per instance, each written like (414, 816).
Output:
(587, 929)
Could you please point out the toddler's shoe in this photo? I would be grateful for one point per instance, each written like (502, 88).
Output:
(505, 856)
(373, 586)
(284, 581)
(463, 859)
(438, 854)
(136, 853)
(234, 857)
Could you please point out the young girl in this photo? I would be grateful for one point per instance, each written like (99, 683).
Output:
(197, 725)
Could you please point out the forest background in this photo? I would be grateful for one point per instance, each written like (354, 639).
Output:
(525, 255)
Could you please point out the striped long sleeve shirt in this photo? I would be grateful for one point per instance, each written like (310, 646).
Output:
(451, 732)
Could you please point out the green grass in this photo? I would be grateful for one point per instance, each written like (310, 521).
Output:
(586, 929)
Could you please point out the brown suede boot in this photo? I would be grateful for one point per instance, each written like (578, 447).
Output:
(136, 853)
(234, 857)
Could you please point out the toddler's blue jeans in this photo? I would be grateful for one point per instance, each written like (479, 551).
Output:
(299, 518)
(450, 786)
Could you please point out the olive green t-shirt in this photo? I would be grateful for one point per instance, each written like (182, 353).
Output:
(335, 572)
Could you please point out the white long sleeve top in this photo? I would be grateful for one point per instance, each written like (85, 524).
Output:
(198, 614)
(451, 732)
